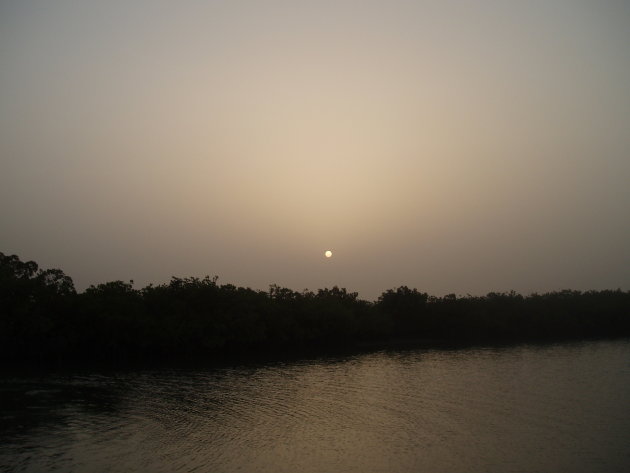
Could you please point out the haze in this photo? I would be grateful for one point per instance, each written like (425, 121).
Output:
(458, 147)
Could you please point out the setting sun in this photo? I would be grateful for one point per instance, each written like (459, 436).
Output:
(175, 167)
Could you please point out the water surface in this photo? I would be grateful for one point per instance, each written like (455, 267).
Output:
(561, 408)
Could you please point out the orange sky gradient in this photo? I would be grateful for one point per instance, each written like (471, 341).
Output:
(451, 146)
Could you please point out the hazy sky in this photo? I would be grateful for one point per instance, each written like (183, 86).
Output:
(452, 146)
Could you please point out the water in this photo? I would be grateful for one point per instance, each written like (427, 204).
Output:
(561, 408)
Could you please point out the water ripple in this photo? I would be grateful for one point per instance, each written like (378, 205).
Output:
(561, 407)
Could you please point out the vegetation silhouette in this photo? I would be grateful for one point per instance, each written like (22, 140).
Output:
(43, 318)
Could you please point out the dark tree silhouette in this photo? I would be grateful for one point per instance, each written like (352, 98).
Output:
(43, 318)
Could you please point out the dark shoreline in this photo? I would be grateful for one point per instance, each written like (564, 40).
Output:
(44, 321)
(270, 357)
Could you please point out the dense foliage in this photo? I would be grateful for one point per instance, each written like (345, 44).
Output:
(43, 317)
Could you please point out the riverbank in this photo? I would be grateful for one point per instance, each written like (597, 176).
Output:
(43, 320)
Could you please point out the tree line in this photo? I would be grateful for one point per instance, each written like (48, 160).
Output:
(43, 317)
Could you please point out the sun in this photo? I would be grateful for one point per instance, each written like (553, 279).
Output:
(328, 254)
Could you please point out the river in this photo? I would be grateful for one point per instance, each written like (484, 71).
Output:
(526, 408)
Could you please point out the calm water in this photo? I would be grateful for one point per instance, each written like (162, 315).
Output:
(560, 408)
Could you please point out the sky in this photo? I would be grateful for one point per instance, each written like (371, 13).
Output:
(454, 146)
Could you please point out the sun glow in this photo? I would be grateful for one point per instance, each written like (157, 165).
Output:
(328, 254)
